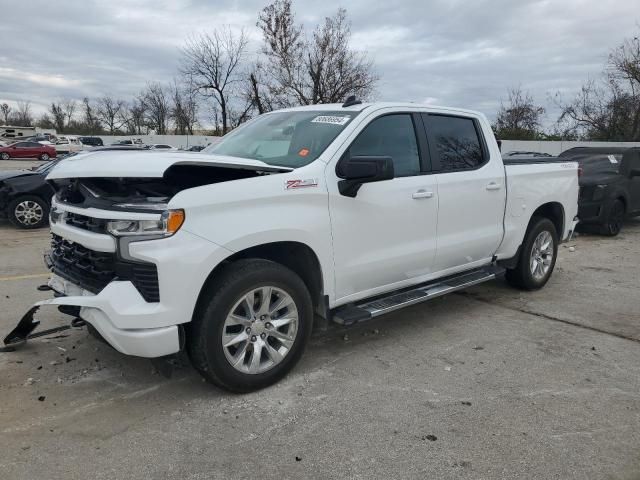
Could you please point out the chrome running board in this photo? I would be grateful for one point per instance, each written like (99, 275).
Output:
(380, 305)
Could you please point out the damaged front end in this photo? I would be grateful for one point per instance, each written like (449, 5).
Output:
(106, 271)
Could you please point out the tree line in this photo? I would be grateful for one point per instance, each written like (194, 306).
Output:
(220, 83)
(605, 109)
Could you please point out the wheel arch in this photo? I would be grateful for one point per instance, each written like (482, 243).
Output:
(554, 211)
(297, 256)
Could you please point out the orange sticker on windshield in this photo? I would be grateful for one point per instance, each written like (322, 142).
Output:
(303, 152)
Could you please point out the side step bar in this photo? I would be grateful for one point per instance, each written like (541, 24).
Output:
(371, 308)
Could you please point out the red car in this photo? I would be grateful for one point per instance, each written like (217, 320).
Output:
(28, 150)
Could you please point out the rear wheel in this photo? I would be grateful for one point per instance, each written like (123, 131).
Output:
(537, 257)
(44, 157)
(615, 217)
(252, 327)
(28, 212)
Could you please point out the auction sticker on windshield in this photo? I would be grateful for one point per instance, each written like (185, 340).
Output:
(333, 120)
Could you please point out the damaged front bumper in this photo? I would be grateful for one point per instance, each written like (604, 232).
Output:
(141, 342)
(121, 315)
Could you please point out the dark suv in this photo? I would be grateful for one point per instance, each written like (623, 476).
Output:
(92, 141)
(609, 185)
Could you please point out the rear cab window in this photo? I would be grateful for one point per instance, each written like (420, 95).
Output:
(455, 142)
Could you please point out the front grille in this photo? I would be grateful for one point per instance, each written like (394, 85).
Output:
(97, 225)
(86, 268)
(95, 270)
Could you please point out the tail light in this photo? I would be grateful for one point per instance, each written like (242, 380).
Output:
(580, 171)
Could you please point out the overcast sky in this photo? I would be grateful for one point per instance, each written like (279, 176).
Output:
(449, 52)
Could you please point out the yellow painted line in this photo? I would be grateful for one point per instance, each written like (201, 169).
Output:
(24, 277)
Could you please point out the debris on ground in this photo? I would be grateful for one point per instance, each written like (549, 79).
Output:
(468, 404)
(41, 398)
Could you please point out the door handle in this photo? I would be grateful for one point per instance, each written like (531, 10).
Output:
(422, 194)
(494, 186)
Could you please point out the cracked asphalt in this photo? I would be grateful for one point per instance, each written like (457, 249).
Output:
(489, 383)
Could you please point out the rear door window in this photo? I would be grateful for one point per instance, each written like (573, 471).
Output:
(454, 142)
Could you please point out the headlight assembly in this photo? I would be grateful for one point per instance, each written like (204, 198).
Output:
(169, 223)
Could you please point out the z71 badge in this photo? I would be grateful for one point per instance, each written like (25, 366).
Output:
(309, 182)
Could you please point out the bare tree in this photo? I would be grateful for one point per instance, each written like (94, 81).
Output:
(609, 109)
(5, 109)
(184, 107)
(109, 112)
(334, 69)
(89, 117)
(57, 116)
(22, 115)
(69, 107)
(213, 62)
(157, 106)
(297, 71)
(519, 119)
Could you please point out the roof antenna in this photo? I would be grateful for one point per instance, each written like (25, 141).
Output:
(351, 101)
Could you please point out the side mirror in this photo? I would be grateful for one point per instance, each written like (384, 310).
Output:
(356, 171)
(634, 173)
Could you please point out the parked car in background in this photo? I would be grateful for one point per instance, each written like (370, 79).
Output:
(68, 144)
(609, 186)
(160, 146)
(525, 154)
(196, 148)
(25, 196)
(28, 150)
(131, 141)
(92, 141)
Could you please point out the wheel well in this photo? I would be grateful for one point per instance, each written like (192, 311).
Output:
(294, 255)
(554, 212)
(624, 202)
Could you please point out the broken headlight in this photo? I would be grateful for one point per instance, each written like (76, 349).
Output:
(169, 223)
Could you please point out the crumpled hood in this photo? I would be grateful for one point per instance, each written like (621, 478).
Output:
(146, 164)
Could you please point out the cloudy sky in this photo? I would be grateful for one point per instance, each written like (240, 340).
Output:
(446, 52)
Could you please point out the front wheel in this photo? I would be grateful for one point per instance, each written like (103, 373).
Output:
(29, 212)
(537, 257)
(44, 157)
(251, 327)
(4, 156)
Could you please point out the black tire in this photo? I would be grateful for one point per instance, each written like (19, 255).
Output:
(44, 157)
(521, 276)
(204, 333)
(21, 221)
(4, 156)
(614, 219)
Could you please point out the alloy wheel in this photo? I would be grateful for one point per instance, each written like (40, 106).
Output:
(260, 329)
(541, 255)
(28, 212)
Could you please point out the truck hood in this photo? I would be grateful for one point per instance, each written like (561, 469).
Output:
(146, 164)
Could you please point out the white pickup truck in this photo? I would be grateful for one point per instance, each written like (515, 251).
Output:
(326, 212)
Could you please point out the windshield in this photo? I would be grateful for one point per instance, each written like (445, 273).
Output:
(289, 139)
